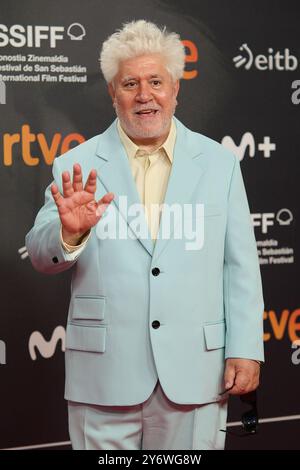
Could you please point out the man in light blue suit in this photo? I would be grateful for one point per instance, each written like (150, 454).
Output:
(166, 306)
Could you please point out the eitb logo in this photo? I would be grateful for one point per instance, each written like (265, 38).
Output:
(270, 60)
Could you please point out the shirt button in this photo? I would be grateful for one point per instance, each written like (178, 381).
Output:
(155, 324)
(55, 259)
(155, 271)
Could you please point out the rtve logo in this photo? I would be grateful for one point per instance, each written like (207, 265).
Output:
(20, 143)
(248, 142)
(18, 35)
(286, 323)
(266, 219)
(272, 61)
(46, 348)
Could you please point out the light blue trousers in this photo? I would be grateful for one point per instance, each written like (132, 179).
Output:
(156, 424)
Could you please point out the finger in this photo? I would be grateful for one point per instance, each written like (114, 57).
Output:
(91, 184)
(237, 391)
(106, 199)
(58, 199)
(250, 388)
(254, 383)
(242, 384)
(67, 185)
(104, 203)
(77, 178)
(229, 376)
(234, 391)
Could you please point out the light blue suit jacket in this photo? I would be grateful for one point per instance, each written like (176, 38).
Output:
(208, 302)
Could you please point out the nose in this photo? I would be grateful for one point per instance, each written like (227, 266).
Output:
(144, 93)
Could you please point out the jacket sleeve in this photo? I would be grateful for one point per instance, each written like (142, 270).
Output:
(243, 297)
(43, 242)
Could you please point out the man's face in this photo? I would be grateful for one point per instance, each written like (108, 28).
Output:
(144, 84)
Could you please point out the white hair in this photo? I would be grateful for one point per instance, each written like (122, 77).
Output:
(138, 38)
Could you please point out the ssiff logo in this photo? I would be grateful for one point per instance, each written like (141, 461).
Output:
(266, 219)
(18, 35)
(46, 348)
(76, 32)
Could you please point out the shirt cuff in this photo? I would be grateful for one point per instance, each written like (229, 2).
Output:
(71, 248)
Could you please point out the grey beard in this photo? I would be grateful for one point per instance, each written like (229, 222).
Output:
(138, 133)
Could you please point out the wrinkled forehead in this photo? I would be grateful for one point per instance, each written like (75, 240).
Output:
(142, 67)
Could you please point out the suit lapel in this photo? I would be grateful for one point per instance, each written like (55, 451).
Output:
(115, 174)
(187, 169)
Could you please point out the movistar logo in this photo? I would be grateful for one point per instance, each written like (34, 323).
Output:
(46, 348)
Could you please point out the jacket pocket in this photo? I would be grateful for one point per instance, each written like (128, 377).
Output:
(214, 335)
(86, 338)
(88, 307)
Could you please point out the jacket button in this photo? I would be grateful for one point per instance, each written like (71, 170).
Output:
(155, 324)
(55, 259)
(155, 271)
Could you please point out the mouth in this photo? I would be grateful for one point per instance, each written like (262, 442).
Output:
(147, 113)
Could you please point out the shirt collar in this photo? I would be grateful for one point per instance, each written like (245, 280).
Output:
(131, 148)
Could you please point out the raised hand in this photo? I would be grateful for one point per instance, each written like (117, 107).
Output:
(77, 208)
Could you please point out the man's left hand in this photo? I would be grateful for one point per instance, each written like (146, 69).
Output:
(242, 375)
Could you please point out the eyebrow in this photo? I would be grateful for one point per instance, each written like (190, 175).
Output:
(128, 78)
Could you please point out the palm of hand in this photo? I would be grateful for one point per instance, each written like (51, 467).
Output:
(77, 208)
(78, 213)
